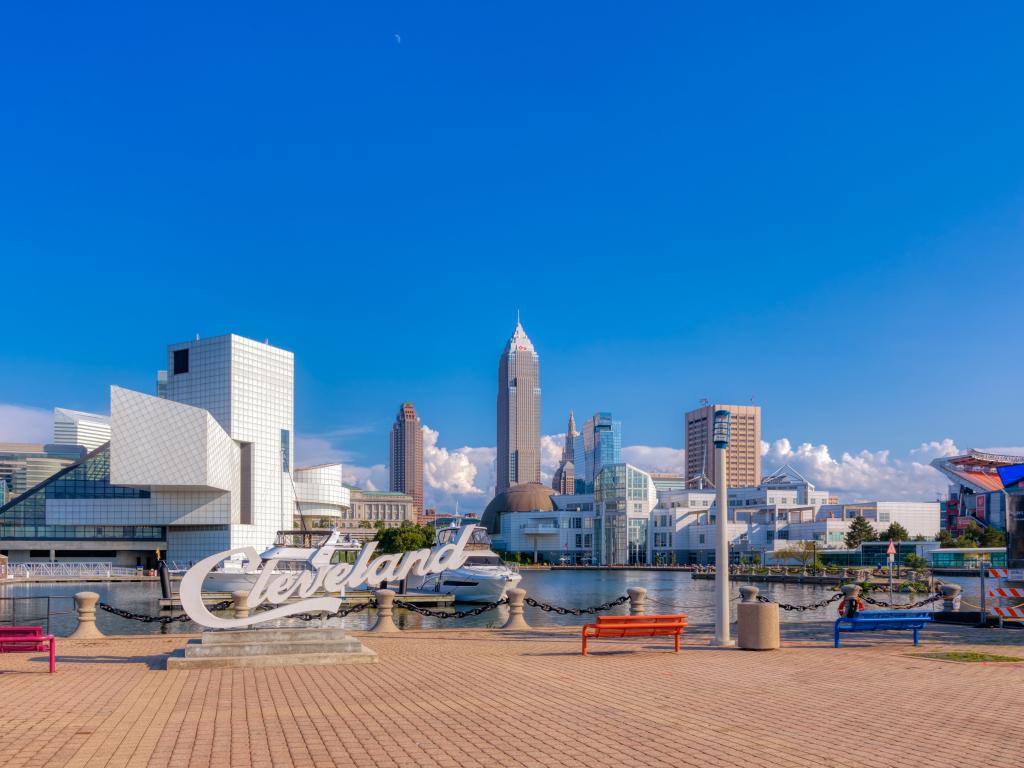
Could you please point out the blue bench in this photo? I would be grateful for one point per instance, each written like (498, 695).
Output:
(870, 621)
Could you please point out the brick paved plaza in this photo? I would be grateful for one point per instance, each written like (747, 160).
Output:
(482, 698)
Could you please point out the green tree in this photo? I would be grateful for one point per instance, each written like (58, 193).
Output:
(404, 538)
(860, 531)
(895, 532)
(990, 537)
(915, 562)
(801, 551)
(945, 539)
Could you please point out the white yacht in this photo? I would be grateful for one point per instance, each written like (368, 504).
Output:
(483, 578)
(231, 576)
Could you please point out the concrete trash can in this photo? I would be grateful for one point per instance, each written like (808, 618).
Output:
(757, 623)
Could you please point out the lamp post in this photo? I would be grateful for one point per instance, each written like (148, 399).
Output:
(720, 437)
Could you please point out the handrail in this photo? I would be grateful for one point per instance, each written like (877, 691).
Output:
(69, 570)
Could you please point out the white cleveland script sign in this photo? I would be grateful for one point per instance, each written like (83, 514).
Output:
(277, 587)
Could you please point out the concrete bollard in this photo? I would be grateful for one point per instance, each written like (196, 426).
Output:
(757, 623)
(241, 600)
(385, 612)
(85, 605)
(637, 601)
(951, 597)
(516, 598)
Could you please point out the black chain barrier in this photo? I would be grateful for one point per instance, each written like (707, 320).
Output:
(340, 613)
(450, 614)
(576, 611)
(883, 604)
(865, 598)
(811, 607)
(222, 605)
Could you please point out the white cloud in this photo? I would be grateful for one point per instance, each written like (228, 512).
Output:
(655, 458)
(25, 424)
(373, 478)
(551, 456)
(318, 449)
(866, 475)
(453, 471)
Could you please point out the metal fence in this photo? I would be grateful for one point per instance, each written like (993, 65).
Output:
(33, 611)
(68, 570)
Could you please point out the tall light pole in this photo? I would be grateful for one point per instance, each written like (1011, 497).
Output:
(720, 437)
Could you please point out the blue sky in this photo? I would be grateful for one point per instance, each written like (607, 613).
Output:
(819, 208)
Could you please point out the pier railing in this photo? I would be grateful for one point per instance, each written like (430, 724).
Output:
(68, 570)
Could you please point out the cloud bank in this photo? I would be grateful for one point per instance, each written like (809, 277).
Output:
(866, 475)
(25, 424)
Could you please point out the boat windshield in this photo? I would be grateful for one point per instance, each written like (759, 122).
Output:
(479, 537)
(483, 560)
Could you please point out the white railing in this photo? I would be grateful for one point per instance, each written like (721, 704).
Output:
(68, 570)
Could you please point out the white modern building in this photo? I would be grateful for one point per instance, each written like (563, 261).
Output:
(205, 468)
(321, 495)
(90, 430)
(785, 508)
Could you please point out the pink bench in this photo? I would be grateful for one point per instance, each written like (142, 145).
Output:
(28, 640)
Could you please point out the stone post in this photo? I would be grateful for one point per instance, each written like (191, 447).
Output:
(757, 624)
(241, 600)
(385, 612)
(85, 605)
(516, 598)
(637, 601)
(951, 597)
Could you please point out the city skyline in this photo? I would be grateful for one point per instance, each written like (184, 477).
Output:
(474, 469)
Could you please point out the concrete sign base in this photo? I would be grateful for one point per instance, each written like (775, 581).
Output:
(284, 647)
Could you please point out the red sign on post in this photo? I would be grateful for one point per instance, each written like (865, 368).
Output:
(891, 551)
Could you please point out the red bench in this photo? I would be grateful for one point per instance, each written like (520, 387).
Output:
(636, 626)
(28, 640)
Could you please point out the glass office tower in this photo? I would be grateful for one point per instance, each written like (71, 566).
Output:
(600, 444)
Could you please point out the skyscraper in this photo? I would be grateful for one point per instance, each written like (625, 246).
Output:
(600, 444)
(518, 412)
(742, 457)
(406, 464)
(564, 479)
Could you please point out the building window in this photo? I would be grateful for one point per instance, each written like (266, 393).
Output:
(286, 451)
(579, 540)
(180, 361)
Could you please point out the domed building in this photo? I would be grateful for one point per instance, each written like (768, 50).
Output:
(525, 497)
(533, 519)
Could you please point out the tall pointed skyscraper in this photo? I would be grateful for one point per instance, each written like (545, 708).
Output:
(564, 480)
(518, 412)
(406, 465)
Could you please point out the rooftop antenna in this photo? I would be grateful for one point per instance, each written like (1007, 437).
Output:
(197, 337)
(517, 315)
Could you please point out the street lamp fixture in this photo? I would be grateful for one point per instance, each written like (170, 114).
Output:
(720, 428)
(720, 437)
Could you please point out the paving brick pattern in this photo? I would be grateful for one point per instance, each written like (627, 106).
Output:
(486, 698)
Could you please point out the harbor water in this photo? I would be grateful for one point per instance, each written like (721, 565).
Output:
(667, 592)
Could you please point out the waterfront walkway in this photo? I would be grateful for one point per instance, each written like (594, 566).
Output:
(482, 698)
